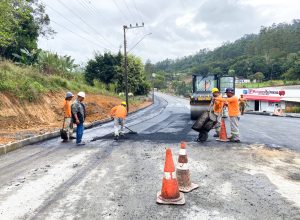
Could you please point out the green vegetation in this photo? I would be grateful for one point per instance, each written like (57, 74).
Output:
(295, 109)
(21, 23)
(270, 83)
(27, 71)
(273, 54)
(28, 83)
(109, 70)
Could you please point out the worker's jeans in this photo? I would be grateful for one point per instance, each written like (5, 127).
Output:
(218, 125)
(117, 123)
(234, 128)
(79, 133)
(69, 127)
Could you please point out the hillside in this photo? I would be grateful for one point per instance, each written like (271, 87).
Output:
(31, 102)
(275, 52)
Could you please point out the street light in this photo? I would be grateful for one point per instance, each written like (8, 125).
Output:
(153, 76)
(139, 41)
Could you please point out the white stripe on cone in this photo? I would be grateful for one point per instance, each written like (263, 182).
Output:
(182, 166)
(182, 152)
(169, 175)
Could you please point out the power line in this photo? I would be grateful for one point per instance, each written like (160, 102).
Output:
(78, 35)
(138, 13)
(128, 9)
(69, 20)
(126, 18)
(76, 14)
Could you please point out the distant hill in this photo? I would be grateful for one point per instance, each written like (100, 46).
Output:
(275, 52)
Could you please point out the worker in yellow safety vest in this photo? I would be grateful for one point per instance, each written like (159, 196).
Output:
(119, 113)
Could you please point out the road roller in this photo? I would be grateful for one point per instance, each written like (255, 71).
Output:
(202, 85)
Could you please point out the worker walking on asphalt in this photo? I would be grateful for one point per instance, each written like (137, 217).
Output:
(68, 122)
(119, 113)
(79, 115)
(233, 112)
(218, 110)
(242, 104)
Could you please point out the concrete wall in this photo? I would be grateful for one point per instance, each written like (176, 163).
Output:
(265, 106)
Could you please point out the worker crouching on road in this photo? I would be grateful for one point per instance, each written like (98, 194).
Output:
(233, 112)
(119, 113)
(68, 115)
(78, 115)
(218, 110)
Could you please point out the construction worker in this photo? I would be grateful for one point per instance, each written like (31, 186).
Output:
(242, 104)
(68, 122)
(278, 111)
(119, 113)
(79, 115)
(232, 102)
(217, 108)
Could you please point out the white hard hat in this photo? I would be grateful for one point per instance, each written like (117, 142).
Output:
(81, 94)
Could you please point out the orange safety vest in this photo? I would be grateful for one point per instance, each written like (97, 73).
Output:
(67, 108)
(233, 105)
(119, 112)
(218, 105)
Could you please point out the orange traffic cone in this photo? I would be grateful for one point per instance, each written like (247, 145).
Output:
(183, 172)
(169, 193)
(223, 133)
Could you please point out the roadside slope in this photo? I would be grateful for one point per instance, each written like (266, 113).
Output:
(22, 119)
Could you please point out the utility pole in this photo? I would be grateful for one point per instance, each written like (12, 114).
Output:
(125, 27)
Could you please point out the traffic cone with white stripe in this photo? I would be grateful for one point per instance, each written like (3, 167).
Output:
(169, 193)
(223, 132)
(183, 172)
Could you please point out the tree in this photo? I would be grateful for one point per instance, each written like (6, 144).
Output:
(21, 23)
(108, 68)
(259, 76)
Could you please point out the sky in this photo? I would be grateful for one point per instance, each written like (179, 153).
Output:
(172, 28)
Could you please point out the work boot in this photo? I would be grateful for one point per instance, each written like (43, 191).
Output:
(234, 140)
(216, 135)
(116, 137)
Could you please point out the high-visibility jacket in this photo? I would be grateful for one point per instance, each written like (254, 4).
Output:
(233, 105)
(242, 101)
(67, 108)
(119, 112)
(218, 105)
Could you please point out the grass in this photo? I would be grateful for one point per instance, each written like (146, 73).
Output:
(269, 83)
(295, 109)
(27, 83)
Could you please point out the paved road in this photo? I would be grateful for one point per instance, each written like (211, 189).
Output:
(119, 180)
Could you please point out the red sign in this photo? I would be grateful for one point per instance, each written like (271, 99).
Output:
(266, 92)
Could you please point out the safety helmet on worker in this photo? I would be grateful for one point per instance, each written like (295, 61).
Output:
(229, 90)
(123, 103)
(214, 90)
(81, 94)
(69, 95)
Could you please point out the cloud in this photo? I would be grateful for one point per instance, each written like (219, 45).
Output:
(179, 27)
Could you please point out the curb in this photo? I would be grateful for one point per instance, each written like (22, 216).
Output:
(270, 114)
(4, 149)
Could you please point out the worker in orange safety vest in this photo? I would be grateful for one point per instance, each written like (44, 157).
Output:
(119, 113)
(218, 110)
(232, 102)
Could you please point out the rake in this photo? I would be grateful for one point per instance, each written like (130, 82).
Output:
(131, 131)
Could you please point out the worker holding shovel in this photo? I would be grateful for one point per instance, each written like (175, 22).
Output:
(119, 113)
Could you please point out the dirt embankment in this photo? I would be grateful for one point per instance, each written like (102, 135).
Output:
(21, 119)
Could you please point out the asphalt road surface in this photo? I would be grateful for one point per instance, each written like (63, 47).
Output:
(106, 179)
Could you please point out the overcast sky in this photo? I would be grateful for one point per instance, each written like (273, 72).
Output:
(179, 27)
